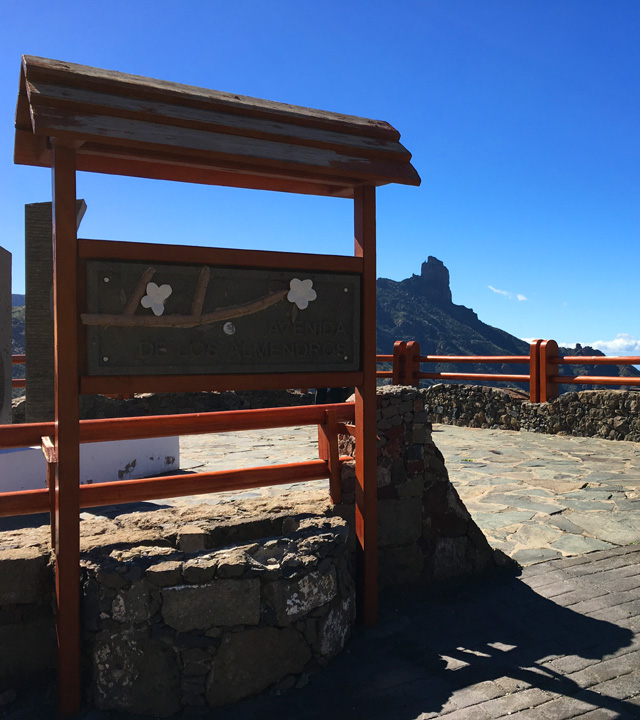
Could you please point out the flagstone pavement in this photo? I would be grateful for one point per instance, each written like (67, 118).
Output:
(536, 497)
(561, 640)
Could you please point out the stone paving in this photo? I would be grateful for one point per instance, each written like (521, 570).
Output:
(559, 641)
(536, 497)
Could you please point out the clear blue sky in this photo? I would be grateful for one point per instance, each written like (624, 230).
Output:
(523, 118)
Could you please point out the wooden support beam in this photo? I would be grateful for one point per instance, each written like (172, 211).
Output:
(534, 371)
(328, 451)
(399, 363)
(366, 458)
(66, 483)
(51, 457)
(548, 368)
(412, 362)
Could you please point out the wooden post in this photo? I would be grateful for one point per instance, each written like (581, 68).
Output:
(413, 363)
(548, 351)
(328, 451)
(366, 458)
(399, 363)
(534, 371)
(66, 491)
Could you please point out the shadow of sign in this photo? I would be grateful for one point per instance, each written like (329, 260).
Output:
(485, 652)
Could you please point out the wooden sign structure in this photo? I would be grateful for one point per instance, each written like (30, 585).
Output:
(72, 117)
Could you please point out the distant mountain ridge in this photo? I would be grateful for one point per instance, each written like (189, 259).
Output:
(421, 308)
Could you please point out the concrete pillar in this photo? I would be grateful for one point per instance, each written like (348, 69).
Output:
(39, 309)
(5, 337)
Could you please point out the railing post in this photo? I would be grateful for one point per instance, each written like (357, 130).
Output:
(413, 363)
(67, 468)
(534, 371)
(328, 451)
(548, 351)
(399, 363)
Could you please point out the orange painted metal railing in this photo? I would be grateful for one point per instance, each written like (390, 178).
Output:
(331, 419)
(543, 361)
(18, 360)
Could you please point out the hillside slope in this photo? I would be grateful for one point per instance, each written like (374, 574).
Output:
(421, 308)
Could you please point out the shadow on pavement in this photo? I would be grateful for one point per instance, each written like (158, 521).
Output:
(425, 649)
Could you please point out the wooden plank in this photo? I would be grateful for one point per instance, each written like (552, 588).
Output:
(31, 150)
(501, 359)
(28, 502)
(399, 357)
(43, 94)
(412, 363)
(135, 86)
(194, 255)
(105, 161)
(153, 426)
(66, 511)
(366, 457)
(49, 451)
(124, 384)
(548, 353)
(534, 371)
(328, 451)
(594, 380)
(226, 150)
(472, 376)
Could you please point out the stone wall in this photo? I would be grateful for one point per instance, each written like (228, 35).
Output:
(424, 531)
(204, 605)
(27, 624)
(167, 629)
(180, 608)
(610, 414)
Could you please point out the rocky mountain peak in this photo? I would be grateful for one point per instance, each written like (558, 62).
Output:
(433, 281)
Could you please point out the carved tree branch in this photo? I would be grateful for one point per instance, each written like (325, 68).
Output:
(201, 291)
(141, 289)
(186, 321)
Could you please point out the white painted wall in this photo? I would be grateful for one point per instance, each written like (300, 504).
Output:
(25, 468)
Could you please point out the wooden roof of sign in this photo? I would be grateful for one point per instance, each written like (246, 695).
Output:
(131, 125)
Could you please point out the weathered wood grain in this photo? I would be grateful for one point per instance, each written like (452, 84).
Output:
(130, 125)
(194, 255)
(222, 147)
(143, 87)
(87, 101)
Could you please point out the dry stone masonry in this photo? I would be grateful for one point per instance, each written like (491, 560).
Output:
(205, 605)
(168, 628)
(424, 531)
(609, 414)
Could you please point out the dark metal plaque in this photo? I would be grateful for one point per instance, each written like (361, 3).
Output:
(160, 319)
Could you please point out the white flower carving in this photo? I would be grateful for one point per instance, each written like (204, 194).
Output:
(301, 293)
(156, 297)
